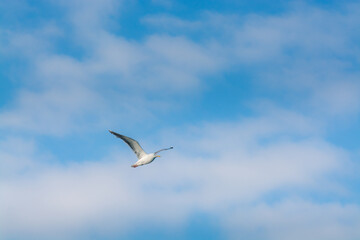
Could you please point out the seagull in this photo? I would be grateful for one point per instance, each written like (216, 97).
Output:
(143, 157)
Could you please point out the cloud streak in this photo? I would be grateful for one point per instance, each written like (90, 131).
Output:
(270, 174)
(128, 72)
(110, 198)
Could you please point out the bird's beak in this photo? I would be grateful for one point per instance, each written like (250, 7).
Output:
(157, 156)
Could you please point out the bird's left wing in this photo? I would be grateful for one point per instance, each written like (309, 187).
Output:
(164, 149)
(135, 146)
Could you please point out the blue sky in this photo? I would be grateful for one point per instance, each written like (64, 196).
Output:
(260, 99)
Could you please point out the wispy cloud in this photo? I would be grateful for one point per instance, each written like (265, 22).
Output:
(242, 170)
(272, 174)
(114, 70)
(313, 39)
(296, 219)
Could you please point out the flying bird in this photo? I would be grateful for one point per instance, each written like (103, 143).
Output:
(143, 157)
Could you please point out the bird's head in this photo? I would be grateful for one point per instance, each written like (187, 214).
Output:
(157, 155)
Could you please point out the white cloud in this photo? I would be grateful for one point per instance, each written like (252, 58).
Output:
(307, 52)
(225, 169)
(63, 92)
(343, 97)
(15, 155)
(295, 219)
(171, 24)
(239, 169)
(303, 54)
(89, 18)
(69, 91)
(115, 69)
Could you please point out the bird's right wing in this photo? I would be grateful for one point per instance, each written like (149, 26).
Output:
(135, 146)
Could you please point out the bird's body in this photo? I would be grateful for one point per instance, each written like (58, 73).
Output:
(148, 158)
(144, 158)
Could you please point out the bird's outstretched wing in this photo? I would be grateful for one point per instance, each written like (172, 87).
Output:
(164, 149)
(135, 146)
